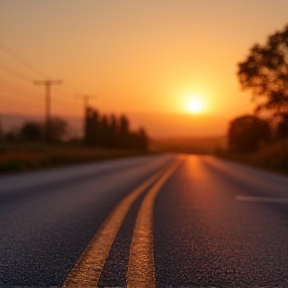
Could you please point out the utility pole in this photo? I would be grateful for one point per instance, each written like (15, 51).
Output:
(47, 84)
(86, 98)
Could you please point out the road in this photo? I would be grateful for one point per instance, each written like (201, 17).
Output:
(153, 221)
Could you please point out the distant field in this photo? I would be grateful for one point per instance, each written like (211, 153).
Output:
(19, 157)
(196, 145)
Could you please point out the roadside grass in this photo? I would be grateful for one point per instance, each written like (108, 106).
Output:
(272, 157)
(21, 157)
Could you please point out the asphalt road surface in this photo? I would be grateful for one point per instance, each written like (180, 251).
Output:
(155, 221)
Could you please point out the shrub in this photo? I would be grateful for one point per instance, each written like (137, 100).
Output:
(247, 132)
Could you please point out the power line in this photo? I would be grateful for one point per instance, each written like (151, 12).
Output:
(19, 96)
(8, 101)
(9, 51)
(73, 90)
(16, 87)
(26, 78)
(31, 96)
(14, 72)
(62, 96)
(4, 47)
(12, 100)
(23, 76)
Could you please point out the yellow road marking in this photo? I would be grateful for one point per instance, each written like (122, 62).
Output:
(141, 270)
(89, 267)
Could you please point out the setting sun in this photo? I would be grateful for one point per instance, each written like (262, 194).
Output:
(195, 106)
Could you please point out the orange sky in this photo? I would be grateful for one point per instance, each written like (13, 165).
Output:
(136, 56)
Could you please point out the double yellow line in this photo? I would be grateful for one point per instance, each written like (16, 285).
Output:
(141, 271)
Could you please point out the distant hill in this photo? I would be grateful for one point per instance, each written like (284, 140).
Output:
(14, 121)
(157, 125)
(165, 125)
(195, 145)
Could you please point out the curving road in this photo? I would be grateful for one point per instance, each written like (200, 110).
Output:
(213, 223)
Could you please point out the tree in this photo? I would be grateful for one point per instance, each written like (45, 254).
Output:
(104, 131)
(142, 139)
(58, 129)
(113, 131)
(12, 135)
(124, 132)
(1, 132)
(92, 127)
(246, 132)
(265, 73)
(282, 127)
(32, 131)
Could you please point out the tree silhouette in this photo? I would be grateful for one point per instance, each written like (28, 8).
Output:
(1, 132)
(265, 73)
(111, 132)
(246, 132)
(142, 143)
(91, 133)
(124, 133)
(32, 131)
(104, 131)
(282, 127)
(58, 129)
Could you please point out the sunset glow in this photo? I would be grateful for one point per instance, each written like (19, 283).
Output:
(136, 56)
(195, 106)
